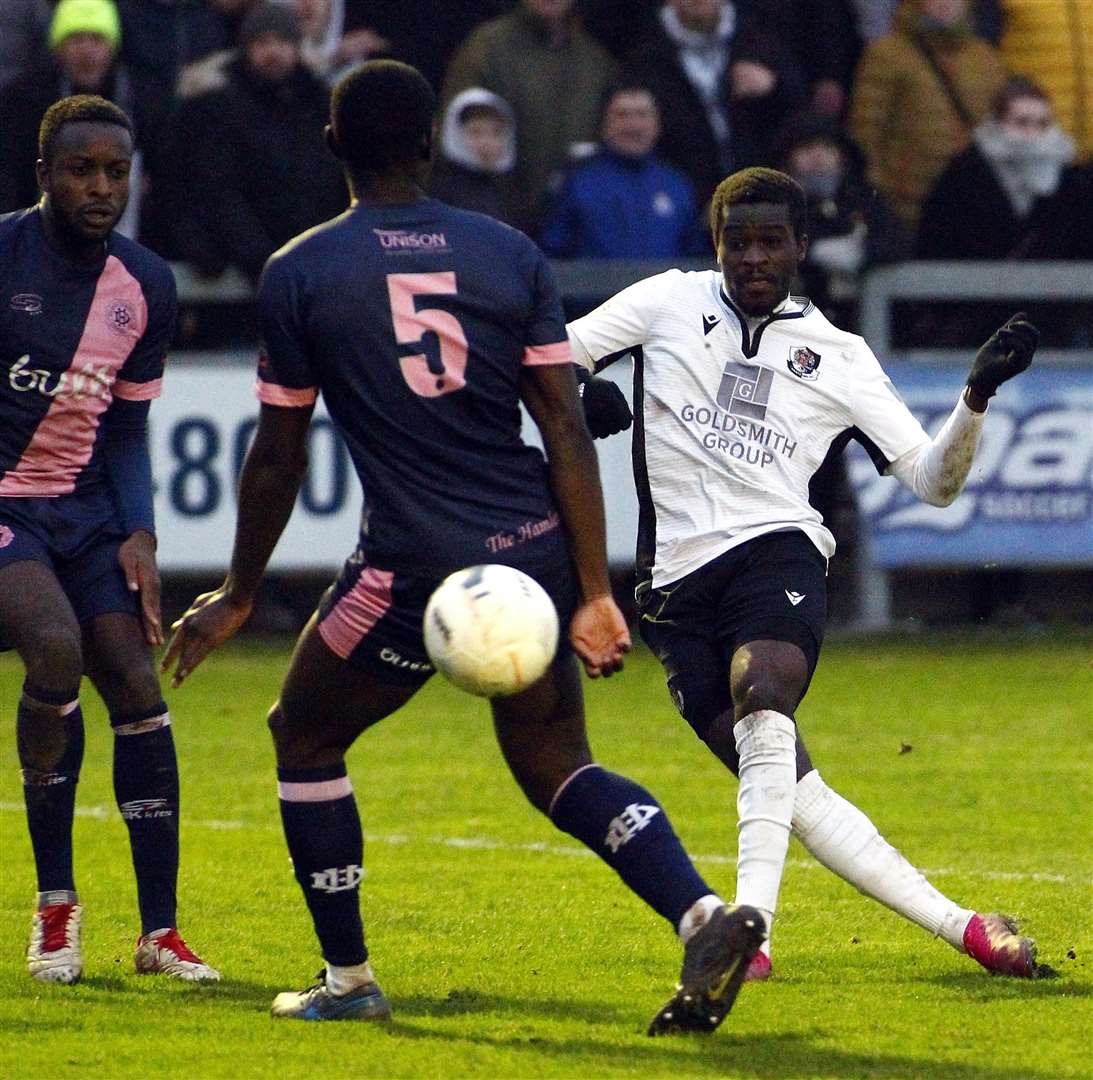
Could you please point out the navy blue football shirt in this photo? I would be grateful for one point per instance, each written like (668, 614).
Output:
(72, 338)
(414, 321)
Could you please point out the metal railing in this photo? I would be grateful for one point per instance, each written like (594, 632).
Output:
(882, 289)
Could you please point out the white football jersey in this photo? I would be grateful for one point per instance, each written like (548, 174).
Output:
(734, 415)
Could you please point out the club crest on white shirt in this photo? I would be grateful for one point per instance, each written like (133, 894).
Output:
(804, 362)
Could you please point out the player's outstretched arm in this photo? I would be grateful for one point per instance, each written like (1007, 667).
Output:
(598, 631)
(268, 485)
(936, 470)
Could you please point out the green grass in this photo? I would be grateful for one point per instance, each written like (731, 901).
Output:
(506, 951)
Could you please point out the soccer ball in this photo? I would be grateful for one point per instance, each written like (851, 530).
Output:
(491, 630)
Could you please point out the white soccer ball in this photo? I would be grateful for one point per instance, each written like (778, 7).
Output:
(491, 630)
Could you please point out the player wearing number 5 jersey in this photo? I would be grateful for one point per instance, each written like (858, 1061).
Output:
(424, 327)
(741, 392)
(86, 316)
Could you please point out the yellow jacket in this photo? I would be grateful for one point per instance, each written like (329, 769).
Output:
(901, 116)
(1051, 42)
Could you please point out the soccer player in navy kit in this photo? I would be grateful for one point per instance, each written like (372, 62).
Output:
(741, 390)
(424, 327)
(85, 318)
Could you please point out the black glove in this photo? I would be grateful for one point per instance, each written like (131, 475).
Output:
(605, 408)
(1007, 352)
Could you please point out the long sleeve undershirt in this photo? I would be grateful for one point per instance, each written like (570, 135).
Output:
(128, 463)
(936, 471)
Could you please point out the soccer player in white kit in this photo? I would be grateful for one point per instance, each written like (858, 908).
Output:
(741, 390)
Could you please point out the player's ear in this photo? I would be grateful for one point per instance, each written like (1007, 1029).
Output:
(41, 171)
(802, 246)
(332, 142)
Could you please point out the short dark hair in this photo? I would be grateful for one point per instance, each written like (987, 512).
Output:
(77, 109)
(759, 185)
(1015, 87)
(625, 86)
(381, 113)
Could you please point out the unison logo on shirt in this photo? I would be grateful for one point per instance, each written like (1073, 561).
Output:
(407, 240)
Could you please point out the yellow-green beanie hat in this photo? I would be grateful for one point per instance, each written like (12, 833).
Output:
(85, 17)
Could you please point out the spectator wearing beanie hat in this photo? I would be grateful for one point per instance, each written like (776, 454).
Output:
(74, 19)
(84, 39)
(251, 155)
(210, 70)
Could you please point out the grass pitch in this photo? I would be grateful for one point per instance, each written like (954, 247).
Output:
(507, 951)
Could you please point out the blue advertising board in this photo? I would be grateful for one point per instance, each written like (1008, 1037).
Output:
(1029, 498)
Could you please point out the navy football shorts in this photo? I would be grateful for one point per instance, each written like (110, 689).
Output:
(773, 587)
(374, 619)
(78, 537)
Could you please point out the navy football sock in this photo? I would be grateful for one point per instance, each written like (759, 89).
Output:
(146, 789)
(323, 831)
(625, 825)
(49, 733)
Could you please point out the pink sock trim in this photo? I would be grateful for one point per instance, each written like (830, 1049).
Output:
(565, 783)
(315, 790)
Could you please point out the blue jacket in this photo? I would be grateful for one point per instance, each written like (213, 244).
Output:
(612, 207)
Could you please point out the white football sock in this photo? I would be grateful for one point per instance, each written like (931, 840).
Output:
(765, 741)
(697, 915)
(838, 835)
(340, 980)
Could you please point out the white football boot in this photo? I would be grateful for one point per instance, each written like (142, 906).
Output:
(54, 953)
(163, 952)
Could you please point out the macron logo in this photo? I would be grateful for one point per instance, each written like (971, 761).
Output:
(708, 323)
(794, 597)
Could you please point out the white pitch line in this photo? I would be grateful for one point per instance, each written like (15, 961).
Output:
(485, 843)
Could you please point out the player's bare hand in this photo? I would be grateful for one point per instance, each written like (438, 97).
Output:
(360, 45)
(137, 559)
(750, 79)
(211, 620)
(599, 636)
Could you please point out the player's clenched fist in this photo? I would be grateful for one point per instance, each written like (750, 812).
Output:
(599, 636)
(606, 410)
(1007, 352)
(212, 618)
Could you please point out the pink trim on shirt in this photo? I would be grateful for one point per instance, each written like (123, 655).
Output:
(557, 352)
(138, 391)
(61, 445)
(272, 394)
(353, 616)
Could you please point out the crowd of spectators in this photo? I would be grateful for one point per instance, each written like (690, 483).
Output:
(936, 128)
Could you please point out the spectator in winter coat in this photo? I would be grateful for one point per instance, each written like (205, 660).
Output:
(252, 164)
(721, 74)
(623, 202)
(328, 48)
(1051, 42)
(477, 153)
(850, 227)
(1013, 193)
(918, 94)
(542, 62)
